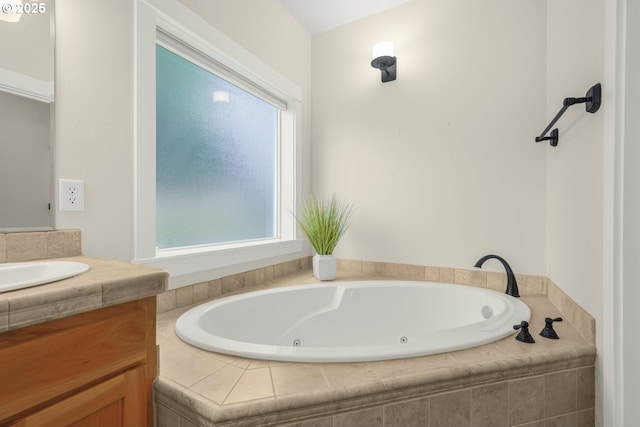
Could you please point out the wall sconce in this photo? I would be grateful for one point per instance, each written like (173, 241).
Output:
(9, 10)
(384, 60)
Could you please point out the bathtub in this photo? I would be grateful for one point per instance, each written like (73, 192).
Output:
(352, 321)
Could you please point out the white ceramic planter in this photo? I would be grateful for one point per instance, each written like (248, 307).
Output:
(324, 267)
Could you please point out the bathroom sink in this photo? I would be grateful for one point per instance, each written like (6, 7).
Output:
(20, 275)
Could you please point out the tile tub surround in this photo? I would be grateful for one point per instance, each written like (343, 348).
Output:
(353, 270)
(201, 292)
(30, 246)
(505, 383)
(107, 283)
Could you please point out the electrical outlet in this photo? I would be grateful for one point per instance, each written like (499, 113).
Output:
(71, 195)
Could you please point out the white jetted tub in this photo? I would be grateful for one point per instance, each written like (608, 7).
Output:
(352, 321)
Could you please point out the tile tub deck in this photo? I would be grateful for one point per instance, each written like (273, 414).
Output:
(503, 383)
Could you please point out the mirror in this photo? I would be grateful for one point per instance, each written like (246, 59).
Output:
(26, 114)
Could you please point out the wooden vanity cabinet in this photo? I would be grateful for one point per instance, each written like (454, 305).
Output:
(92, 369)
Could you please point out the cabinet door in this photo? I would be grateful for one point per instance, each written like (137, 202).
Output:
(113, 403)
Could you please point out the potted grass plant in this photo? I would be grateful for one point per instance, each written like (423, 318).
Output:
(324, 221)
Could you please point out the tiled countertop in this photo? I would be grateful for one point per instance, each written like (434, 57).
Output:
(106, 283)
(219, 388)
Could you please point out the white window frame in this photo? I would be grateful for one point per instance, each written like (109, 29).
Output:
(193, 265)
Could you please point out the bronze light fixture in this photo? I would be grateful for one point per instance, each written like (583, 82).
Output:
(384, 60)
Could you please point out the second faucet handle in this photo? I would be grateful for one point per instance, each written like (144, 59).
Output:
(548, 331)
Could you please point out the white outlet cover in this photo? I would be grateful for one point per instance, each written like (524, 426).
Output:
(70, 195)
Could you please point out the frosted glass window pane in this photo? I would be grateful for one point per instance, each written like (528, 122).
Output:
(216, 158)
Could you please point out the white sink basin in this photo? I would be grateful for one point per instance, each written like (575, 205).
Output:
(20, 275)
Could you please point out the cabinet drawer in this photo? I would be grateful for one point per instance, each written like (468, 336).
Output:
(42, 363)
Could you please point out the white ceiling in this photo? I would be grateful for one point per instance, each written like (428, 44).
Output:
(318, 16)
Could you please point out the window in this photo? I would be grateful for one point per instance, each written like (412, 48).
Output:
(217, 151)
(216, 157)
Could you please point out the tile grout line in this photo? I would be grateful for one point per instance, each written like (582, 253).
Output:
(273, 385)
(234, 385)
(509, 403)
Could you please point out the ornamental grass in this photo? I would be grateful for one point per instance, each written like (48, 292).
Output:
(324, 221)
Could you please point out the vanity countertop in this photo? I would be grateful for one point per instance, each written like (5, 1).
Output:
(107, 283)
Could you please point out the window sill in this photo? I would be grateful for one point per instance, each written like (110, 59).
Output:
(196, 265)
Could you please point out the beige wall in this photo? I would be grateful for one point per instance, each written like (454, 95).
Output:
(575, 61)
(94, 120)
(575, 58)
(441, 163)
(95, 95)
